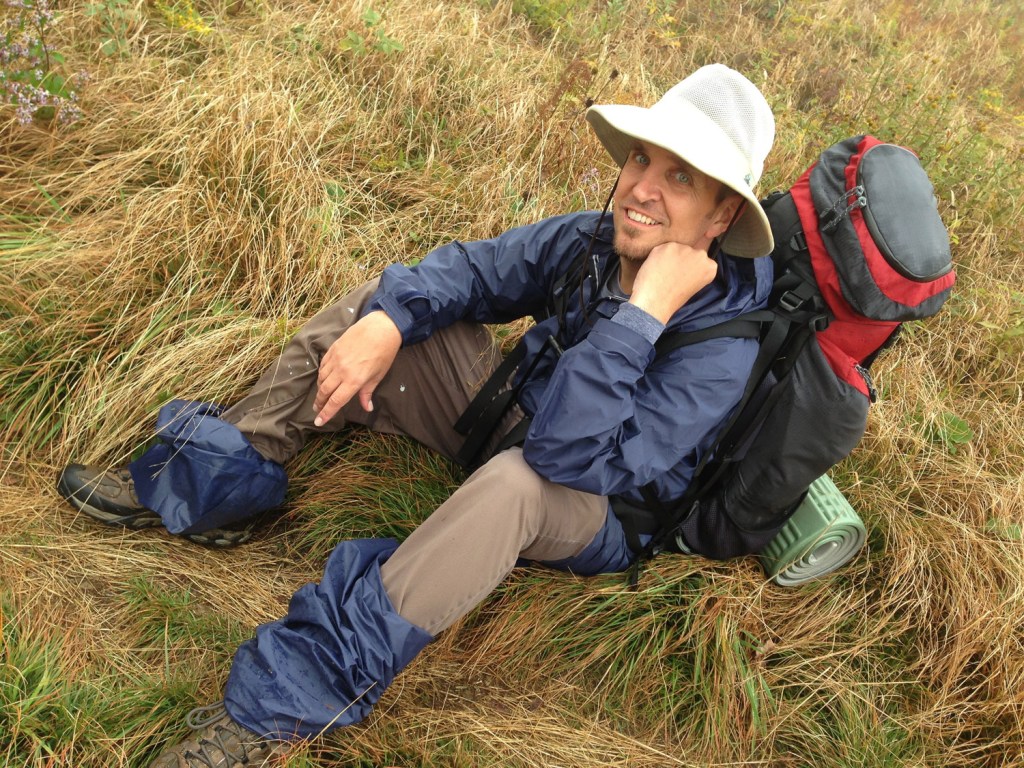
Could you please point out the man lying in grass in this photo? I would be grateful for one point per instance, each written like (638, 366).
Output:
(593, 415)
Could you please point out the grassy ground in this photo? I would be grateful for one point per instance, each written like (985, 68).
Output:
(225, 184)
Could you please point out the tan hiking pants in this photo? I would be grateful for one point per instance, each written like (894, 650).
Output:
(504, 511)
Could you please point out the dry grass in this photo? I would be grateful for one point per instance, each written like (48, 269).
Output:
(221, 189)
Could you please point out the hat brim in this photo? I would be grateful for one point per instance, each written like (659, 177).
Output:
(698, 141)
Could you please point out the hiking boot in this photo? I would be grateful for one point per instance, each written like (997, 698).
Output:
(220, 742)
(108, 495)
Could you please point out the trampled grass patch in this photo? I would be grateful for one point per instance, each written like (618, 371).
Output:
(239, 165)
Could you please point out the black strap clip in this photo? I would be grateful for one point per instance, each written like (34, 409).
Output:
(790, 301)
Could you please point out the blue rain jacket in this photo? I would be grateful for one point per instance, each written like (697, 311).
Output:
(607, 417)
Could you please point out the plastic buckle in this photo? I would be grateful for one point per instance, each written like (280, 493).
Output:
(790, 301)
(820, 323)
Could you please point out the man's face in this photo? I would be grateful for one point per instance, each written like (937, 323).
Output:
(660, 198)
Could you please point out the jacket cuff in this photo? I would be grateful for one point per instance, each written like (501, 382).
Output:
(411, 316)
(631, 316)
(401, 316)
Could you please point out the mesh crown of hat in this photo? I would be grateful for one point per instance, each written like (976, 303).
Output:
(736, 106)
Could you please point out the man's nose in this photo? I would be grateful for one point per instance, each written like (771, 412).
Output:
(647, 186)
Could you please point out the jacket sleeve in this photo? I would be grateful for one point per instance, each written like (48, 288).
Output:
(487, 281)
(614, 419)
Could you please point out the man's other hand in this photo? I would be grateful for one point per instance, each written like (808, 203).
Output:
(355, 364)
(669, 277)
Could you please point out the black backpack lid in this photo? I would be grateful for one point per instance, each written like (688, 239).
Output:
(901, 213)
(886, 268)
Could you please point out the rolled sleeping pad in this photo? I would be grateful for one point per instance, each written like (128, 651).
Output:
(822, 535)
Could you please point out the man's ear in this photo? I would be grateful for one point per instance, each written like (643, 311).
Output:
(725, 214)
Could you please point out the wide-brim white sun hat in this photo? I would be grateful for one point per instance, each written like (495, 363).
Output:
(718, 122)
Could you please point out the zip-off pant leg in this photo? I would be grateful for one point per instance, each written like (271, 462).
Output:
(458, 555)
(422, 396)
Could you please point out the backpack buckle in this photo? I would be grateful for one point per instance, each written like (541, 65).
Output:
(820, 323)
(790, 301)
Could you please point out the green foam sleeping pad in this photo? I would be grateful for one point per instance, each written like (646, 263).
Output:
(823, 534)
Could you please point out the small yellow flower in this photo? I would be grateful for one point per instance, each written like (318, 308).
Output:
(184, 16)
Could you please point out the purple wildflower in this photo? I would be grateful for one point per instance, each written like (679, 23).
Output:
(25, 56)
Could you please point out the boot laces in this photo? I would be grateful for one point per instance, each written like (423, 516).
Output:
(226, 740)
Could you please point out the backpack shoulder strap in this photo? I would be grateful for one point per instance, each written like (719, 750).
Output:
(746, 326)
(487, 408)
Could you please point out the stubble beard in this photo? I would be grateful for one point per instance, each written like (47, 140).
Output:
(625, 248)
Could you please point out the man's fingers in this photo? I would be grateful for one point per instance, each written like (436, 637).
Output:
(334, 403)
(355, 363)
(325, 388)
(334, 396)
(327, 368)
(331, 396)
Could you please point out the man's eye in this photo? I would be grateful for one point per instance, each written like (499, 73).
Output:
(641, 158)
(682, 177)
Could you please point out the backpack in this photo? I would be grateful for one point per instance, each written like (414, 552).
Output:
(860, 249)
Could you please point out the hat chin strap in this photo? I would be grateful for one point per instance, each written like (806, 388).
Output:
(581, 263)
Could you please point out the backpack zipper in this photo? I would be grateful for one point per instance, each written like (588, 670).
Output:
(872, 392)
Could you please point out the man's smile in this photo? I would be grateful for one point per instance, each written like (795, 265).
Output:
(640, 218)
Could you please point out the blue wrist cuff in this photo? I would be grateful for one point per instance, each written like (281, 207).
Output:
(634, 318)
